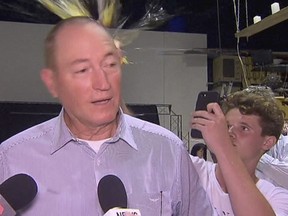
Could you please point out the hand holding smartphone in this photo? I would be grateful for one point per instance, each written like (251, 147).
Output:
(204, 98)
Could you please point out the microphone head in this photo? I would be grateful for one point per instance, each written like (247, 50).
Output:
(111, 193)
(19, 190)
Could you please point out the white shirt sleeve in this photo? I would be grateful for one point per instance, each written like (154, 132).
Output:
(273, 170)
(280, 150)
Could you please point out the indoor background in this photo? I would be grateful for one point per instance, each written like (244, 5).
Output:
(212, 23)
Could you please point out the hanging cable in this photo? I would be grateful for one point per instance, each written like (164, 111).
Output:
(236, 16)
(219, 27)
(247, 15)
(237, 21)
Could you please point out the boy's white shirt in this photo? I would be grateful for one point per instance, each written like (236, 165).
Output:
(220, 200)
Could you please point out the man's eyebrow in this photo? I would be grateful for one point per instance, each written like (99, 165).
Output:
(83, 60)
(77, 61)
(110, 53)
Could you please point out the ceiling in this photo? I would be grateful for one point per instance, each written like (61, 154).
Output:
(192, 16)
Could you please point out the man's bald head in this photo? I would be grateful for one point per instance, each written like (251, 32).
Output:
(51, 39)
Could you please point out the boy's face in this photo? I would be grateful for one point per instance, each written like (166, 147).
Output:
(245, 132)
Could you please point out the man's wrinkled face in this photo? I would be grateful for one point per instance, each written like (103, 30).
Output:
(87, 77)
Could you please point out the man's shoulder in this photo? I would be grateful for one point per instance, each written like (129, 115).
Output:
(28, 136)
(150, 129)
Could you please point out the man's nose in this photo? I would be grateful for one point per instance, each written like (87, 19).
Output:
(100, 79)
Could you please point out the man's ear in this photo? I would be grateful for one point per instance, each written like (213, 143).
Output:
(49, 78)
(269, 143)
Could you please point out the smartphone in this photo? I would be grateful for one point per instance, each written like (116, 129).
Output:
(203, 99)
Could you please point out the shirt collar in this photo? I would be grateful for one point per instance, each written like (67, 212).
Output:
(62, 135)
(124, 130)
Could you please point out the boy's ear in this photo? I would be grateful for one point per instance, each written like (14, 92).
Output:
(269, 143)
(49, 78)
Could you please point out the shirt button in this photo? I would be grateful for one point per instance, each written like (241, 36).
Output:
(98, 162)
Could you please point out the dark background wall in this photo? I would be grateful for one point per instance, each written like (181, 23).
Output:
(192, 16)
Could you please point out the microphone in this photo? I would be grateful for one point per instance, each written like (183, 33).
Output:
(113, 198)
(15, 193)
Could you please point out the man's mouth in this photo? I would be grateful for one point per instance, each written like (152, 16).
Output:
(102, 101)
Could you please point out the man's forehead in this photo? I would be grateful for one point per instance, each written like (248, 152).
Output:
(79, 32)
(80, 27)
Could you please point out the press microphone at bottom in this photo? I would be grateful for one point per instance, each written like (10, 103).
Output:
(122, 212)
(113, 198)
(16, 193)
